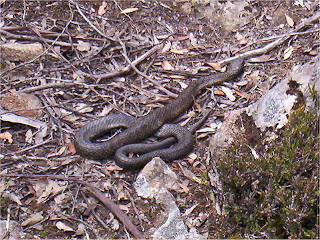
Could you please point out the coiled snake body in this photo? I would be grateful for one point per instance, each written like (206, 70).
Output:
(138, 129)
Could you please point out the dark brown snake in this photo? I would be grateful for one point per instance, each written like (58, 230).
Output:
(178, 143)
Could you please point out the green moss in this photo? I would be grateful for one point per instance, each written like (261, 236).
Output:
(4, 203)
(205, 179)
(276, 195)
(314, 94)
(44, 233)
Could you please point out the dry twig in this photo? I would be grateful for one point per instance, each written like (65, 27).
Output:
(163, 89)
(128, 67)
(90, 23)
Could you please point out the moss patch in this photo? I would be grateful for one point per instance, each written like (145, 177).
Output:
(275, 195)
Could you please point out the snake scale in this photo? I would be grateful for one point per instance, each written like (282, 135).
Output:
(156, 123)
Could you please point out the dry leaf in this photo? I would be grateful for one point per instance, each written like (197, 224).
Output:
(71, 148)
(124, 208)
(62, 198)
(314, 53)
(4, 184)
(107, 185)
(167, 66)
(183, 85)
(115, 225)
(193, 156)
(183, 38)
(254, 76)
(59, 153)
(83, 46)
(198, 180)
(262, 58)
(60, 225)
(47, 189)
(76, 76)
(129, 10)
(14, 198)
(179, 51)
(289, 20)
(239, 36)
(254, 153)
(203, 135)
(81, 229)
(218, 92)
(206, 130)
(34, 218)
(122, 195)
(83, 108)
(66, 162)
(188, 173)
(215, 65)
(102, 8)
(223, 69)
(189, 210)
(113, 168)
(185, 189)
(244, 95)
(166, 47)
(241, 39)
(288, 53)
(228, 93)
(7, 136)
(106, 110)
(242, 83)
(193, 40)
(311, 51)
(29, 136)
(176, 76)
(242, 42)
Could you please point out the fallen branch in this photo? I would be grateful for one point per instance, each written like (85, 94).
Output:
(272, 45)
(114, 209)
(36, 39)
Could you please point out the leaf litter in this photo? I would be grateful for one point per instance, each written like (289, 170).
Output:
(75, 89)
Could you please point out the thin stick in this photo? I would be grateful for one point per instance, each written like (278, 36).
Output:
(32, 147)
(46, 86)
(267, 39)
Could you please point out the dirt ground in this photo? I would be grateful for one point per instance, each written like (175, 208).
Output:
(80, 74)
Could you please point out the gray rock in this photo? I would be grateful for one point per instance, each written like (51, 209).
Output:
(153, 182)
